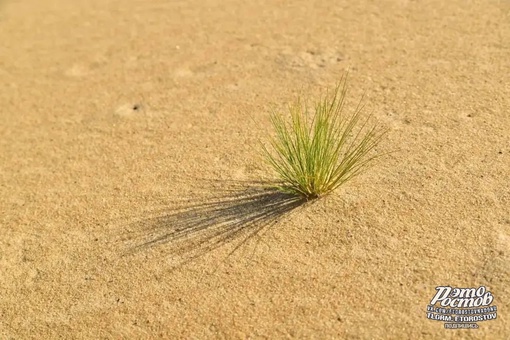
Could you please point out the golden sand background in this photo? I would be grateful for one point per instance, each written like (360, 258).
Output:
(85, 178)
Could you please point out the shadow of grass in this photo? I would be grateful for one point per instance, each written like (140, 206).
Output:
(234, 213)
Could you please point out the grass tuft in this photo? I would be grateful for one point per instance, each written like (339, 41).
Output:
(313, 154)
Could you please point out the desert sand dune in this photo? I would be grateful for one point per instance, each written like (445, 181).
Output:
(129, 169)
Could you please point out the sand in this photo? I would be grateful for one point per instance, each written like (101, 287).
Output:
(129, 136)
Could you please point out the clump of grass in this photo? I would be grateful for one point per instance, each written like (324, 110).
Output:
(315, 153)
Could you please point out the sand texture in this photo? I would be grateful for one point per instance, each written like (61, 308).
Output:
(130, 202)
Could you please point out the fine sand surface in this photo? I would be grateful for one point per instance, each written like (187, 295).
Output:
(129, 136)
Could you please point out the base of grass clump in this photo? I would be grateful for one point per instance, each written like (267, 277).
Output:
(315, 153)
